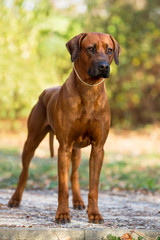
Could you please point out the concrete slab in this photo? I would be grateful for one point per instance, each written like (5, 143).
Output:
(122, 213)
(74, 234)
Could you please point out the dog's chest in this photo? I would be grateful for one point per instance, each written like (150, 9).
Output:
(87, 131)
(91, 112)
(89, 126)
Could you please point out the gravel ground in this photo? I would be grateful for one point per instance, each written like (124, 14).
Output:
(119, 209)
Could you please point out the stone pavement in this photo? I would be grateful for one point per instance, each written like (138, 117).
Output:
(122, 212)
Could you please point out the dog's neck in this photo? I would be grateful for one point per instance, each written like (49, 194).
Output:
(88, 93)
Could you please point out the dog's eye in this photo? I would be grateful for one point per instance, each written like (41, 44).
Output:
(109, 50)
(91, 49)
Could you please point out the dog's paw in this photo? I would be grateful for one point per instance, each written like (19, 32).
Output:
(78, 204)
(14, 203)
(15, 200)
(95, 218)
(63, 218)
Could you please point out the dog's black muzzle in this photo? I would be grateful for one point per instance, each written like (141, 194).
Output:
(99, 70)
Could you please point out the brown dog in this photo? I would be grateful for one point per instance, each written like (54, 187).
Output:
(78, 114)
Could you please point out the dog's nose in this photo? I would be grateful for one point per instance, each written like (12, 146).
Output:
(103, 66)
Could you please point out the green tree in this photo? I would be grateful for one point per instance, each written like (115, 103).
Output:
(32, 53)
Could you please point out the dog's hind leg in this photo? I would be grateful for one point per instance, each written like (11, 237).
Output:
(77, 199)
(37, 130)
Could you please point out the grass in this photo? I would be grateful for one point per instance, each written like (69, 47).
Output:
(131, 173)
(120, 171)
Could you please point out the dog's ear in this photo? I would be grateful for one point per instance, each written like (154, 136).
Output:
(74, 46)
(117, 50)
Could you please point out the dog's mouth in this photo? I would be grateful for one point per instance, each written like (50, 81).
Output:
(101, 70)
(97, 75)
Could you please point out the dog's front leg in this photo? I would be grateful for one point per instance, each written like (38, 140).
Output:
(64, 156)
(95, 165)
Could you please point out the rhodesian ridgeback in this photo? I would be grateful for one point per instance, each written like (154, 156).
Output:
(78, 114)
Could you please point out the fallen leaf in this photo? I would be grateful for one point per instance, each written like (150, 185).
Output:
(126, 236)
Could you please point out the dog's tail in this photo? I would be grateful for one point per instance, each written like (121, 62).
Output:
(51, 144)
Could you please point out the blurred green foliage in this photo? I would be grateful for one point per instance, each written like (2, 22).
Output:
(33, 54)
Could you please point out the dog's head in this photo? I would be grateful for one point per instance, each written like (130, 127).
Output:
(94, 52)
